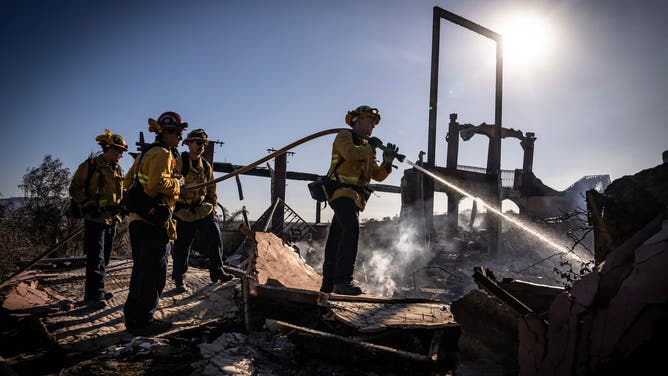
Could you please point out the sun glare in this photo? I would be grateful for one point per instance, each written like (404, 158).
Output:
(526, 39)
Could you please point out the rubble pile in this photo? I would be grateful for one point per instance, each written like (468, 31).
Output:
(274, 321)
(613, 320)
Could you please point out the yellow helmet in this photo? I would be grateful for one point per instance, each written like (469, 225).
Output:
(352, 116)
(110, 139)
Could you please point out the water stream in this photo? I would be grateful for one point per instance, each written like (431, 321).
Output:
(489, 207)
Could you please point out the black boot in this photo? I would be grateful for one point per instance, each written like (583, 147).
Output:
(180, 286)
(326, 287)
(221, 276)
(151, 327)
(347, 289)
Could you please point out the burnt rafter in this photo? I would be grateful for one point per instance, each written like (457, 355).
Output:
(467, 131)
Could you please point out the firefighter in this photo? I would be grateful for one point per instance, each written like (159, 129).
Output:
(151, 229)
(97, 189)
(195, 211)
(352, 167)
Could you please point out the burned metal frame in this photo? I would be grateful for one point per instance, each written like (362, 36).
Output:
(494, 149)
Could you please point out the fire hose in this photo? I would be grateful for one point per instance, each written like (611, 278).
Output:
(284, 150)
(242, 170)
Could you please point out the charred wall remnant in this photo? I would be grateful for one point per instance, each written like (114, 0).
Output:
(613, 320)
(625, 206)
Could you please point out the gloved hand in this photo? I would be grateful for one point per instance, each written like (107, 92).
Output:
(92, 211)
(390, 153)
(375, 142)
(181, 179)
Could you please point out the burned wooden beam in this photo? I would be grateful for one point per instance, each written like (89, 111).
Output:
(373, 317)
(486, 280)
(346, 350)
(489, 330)
(293, 175)
(536, 296)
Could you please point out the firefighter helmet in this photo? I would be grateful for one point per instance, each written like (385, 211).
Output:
(110, 139)
(167, 121)
(197, 135)
(352, 116)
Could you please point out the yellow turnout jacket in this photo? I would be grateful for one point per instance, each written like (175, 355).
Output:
(196, 204)
(105, 188)
(155, 176)
(359, 166)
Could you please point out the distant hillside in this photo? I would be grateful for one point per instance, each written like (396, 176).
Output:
(12, 203)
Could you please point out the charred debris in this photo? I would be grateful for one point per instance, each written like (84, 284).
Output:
(272, 319)
(452, 294)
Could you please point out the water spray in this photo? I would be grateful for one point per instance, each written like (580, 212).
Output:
(402, 158)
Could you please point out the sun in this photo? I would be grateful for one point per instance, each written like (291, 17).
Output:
(527, 39)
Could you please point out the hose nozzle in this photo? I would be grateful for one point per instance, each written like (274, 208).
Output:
(384, 148)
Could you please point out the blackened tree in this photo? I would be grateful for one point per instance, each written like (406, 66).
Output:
(45, 190)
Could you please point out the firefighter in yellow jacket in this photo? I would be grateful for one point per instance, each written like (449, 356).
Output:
(152, 228)
(195, 211)
(97, 189)
(352, 167)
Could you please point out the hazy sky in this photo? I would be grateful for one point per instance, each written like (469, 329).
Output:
(260, 74)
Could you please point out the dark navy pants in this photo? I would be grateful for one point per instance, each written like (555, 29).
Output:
(98, 240)
(207, 228)
(149, 272)
(341, 248)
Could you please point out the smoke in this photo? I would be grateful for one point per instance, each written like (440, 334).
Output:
(313, 253)
(390, 252)
(394, 258)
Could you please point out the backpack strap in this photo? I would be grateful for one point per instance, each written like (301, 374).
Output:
(91, 171)
(334, 170)
(208, 168)
(356, 142)
(185, 163)
(141, 156)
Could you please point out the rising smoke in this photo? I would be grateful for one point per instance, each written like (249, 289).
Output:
(394, 258)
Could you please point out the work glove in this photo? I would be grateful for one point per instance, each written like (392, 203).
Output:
(390, 153)
(180, 178)
(92, 211)
(375, 142)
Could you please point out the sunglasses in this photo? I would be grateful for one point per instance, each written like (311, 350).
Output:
(175, 131)
(200, 142)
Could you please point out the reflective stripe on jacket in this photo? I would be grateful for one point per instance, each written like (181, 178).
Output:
(359, 166)
(155, 175)
(105, 188)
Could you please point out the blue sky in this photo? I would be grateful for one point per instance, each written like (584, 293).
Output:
(260, 74)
